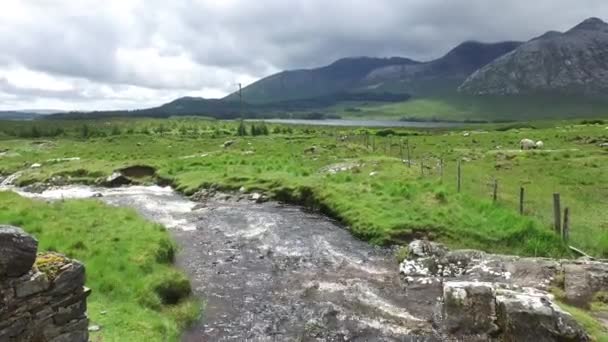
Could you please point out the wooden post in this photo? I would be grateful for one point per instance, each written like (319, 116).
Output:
(495, 191)
(566, 226)
(459, 175)
(409, 159)
(422, 167)
(557, 213)
(521, 200)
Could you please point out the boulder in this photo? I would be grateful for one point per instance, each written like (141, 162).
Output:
(533, 317)
(17, 251)
(116, 179)
(422, 248)
(482, 311)
(583, 280)
(468, 309)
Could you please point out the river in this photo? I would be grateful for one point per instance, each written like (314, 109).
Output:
(273, 272)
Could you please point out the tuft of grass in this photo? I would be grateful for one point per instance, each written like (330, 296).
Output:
(123, 255)
(597, 331)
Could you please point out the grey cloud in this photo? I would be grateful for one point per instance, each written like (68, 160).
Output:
(227, 39)
(9, 89)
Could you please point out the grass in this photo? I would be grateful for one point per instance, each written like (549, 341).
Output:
(137, 295)
(393, 206)
(460, 107)
(597, 331)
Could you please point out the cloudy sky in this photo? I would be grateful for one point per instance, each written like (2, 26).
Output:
(111, 54)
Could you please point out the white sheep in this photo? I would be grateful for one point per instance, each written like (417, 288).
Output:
(527, 144)
(539, 145)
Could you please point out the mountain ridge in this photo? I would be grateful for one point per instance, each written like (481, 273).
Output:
(573, 62)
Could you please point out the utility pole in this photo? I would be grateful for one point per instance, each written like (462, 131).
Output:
(241, 100)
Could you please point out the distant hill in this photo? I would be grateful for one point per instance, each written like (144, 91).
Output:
(18, 115)
(337, 77)
(574, 63)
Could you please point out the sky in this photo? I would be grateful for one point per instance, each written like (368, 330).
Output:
(127, 54)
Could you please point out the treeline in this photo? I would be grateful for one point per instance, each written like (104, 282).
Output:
(230, 110)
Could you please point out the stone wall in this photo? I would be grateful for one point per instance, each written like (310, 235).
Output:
(42, 297)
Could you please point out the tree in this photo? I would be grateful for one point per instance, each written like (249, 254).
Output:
(241, 130)
(84, 131)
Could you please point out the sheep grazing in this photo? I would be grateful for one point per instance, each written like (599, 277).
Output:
(528, 144)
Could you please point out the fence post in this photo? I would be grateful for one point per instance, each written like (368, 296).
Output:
(557, 213)
(495, 191)
(521, 200)
(459, 175)
(409, 159)
(566, 226)
(422, 167)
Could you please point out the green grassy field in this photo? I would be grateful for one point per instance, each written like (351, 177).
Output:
(381, 199)
(459, 108)
(128, 265)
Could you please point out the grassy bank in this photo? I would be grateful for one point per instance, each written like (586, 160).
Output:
(137, 295)
(378, 196)
(488, 108)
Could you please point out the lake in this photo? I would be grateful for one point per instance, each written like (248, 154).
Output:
(364, 123)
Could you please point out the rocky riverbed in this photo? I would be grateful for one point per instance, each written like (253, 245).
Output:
(273, 272)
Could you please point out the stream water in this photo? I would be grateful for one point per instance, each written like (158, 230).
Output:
(271, 272)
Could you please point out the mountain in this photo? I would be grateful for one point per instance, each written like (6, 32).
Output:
(571, 63)
(442, 74)
(310, 83)
(18, 115)
(385, 75)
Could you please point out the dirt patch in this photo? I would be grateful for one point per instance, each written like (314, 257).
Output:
(138, 171)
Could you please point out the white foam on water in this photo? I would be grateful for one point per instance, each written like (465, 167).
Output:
(8, 181)
(160, 202)
(69, 192)
(338, 257)
(385, 327)
(354, 290)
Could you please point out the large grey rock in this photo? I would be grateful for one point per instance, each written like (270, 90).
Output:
(478, 311)
(469, 308)
(17, 251)
(583, 280)
(533, 317)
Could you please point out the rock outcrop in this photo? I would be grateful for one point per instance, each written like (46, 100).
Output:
(42, 298)
(17, 251)
(574, 62)
(504, 298)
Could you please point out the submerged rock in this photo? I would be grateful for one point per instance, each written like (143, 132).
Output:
(115, 180)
